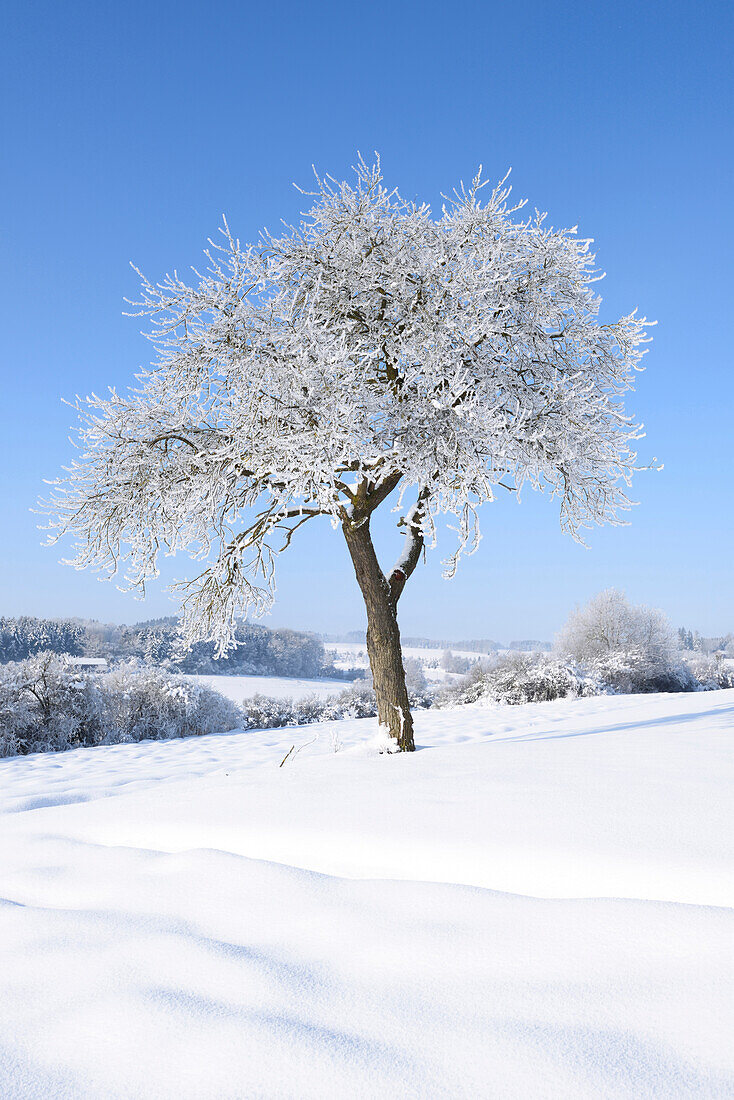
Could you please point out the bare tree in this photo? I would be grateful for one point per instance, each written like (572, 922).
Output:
(371, 352)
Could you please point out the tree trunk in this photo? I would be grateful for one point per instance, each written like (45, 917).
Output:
(383, 636)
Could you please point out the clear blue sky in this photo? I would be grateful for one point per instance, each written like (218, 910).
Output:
(127, 129)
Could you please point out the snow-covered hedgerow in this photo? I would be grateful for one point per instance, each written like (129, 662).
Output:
(536, 677)
(47, 705)
(356, 701)
(144, 702)
(521, 678)
(262, 712)
(634, 672)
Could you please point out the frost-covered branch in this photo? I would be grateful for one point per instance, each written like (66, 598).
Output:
(413, 544)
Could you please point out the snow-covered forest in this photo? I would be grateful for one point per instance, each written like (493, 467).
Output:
(259, 651)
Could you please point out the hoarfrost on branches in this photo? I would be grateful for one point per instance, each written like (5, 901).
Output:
(610, 624)
(372, 348)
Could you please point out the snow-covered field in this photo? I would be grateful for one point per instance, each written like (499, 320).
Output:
(239, 688)
(535, 904)
(346, 655)
(354, 654)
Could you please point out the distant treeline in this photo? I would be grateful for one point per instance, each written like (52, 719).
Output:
(476, 645)
(473, 645)
(260, 651)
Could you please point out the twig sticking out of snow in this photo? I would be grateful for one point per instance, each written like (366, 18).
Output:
(290, 750)
(293, 751)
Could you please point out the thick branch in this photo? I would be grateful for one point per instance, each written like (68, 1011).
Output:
(168, 437)
(376, 496)
(412, 547)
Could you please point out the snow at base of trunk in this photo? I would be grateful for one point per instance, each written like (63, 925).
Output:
(533, 904)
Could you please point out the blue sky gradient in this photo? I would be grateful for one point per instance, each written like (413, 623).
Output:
(129, 129)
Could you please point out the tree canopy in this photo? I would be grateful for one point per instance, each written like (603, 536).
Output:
(372, 348)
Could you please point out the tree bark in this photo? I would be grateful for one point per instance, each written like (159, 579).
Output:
(383, 635)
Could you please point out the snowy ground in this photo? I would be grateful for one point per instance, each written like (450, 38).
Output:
(239, 688)
(536, 904)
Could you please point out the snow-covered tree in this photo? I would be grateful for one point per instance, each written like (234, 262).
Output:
(451, 663)
(47, 704)
(632, 647)
(372, 355)
(447, 661)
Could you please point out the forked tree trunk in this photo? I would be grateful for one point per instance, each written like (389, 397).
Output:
(383, 636)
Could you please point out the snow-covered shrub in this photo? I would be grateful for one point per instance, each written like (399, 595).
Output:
(534, 678)
(308, 709)
(470, 689)
(264, 712)
(46, 704)
(711, 672)
(357, 701)
(261, 712)
(633, 672)
(144, 702)
(520, 678)
(16, 717)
